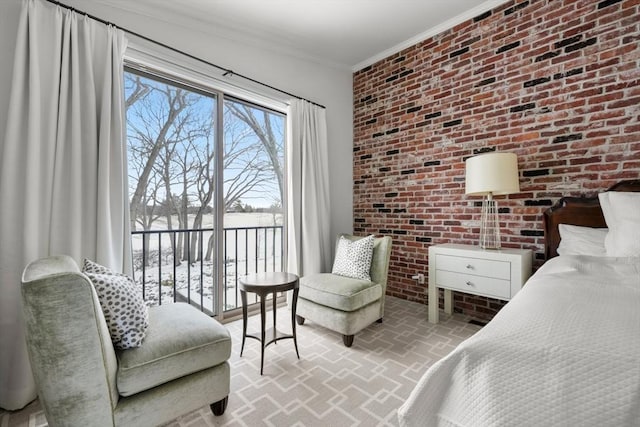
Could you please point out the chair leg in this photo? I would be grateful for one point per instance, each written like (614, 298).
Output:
(299, 320)
(347, 340)
(219, 407)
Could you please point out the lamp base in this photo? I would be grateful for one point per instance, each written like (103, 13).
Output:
(489, 225)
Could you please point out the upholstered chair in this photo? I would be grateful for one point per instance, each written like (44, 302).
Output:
(83, 381)
(343, 304)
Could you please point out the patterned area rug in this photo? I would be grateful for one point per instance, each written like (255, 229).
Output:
(330, 385)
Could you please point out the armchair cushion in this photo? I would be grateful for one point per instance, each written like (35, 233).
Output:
(123, 307)
(339, 292)
(179, 342)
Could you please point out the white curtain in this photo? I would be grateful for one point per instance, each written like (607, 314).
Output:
(63, 178)
(309, 239)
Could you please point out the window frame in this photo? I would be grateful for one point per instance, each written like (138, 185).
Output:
(208, 87)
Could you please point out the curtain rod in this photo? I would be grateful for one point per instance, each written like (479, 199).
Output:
(227, 72)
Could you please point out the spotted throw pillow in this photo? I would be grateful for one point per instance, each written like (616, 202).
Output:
(123, 307)
(353, 258)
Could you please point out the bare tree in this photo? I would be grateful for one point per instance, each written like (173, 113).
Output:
(182, 166)
(205, 189)
(263, 129)
(151, 114)
(245, 167)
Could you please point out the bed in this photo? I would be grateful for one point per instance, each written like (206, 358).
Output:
(565, 351)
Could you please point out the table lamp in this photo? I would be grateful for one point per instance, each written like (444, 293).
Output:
(491, 174)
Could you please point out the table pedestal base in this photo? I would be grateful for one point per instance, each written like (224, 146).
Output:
(263, 287)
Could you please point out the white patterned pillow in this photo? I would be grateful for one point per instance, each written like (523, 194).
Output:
(95, 268)
(124, 309)
(353, 258)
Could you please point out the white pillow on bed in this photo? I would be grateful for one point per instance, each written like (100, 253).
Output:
(576, 240)
(622, 214)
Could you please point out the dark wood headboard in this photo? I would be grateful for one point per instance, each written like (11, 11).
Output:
(583, 211)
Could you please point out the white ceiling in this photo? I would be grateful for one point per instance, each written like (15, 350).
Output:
(343, 33)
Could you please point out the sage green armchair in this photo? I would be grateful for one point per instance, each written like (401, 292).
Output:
(343, 304)
(83, 381)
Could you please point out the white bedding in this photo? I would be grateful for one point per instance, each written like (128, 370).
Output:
(564, 352)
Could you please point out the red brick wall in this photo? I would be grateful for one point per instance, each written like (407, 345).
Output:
(556, 82)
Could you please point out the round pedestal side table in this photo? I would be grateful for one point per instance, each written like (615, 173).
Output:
(264, 284)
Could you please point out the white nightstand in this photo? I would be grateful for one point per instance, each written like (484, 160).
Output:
(491, 273)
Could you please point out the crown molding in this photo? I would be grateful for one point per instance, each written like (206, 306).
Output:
(450, 23)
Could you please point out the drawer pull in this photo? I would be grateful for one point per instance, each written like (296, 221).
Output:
(469, 267)
(469, 283)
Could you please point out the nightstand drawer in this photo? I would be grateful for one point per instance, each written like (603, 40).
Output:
(475, 266)
(488, 286)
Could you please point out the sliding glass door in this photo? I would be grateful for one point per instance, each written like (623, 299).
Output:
(206, 191)
(253, 193)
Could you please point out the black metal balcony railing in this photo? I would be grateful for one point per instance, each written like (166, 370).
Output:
(180, 265)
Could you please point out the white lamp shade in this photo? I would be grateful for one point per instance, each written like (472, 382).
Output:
(492, 173)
